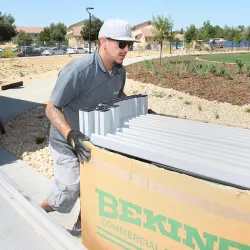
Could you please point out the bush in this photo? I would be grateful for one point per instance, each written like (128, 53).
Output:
(8, 53)
(248, 71)
(240, 65)
(212, 69)
(149, 65)
(236, 103)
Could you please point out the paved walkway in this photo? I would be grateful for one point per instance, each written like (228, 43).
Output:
(14, 102)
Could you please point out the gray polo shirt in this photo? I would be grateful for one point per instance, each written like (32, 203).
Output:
(83, 83)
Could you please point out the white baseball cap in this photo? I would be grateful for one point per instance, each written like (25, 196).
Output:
(117, 29)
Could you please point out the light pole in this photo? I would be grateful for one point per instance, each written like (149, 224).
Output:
(87, 9)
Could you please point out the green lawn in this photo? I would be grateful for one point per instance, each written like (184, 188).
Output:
(228, 58)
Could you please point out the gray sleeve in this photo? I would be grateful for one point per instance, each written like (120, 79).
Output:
(66, 88)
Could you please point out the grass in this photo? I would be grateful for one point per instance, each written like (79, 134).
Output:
(227, 58)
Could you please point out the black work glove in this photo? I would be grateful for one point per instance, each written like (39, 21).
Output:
(76, 140)
(150, 111)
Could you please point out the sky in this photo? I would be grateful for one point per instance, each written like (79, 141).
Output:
(183, 12)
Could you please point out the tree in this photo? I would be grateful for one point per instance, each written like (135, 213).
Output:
(247, 35)
(241, 28)
(191, 33)
(162, 30)
(44, 36)
(229, 33)
(57, 32)
(23, 39)
(238, 36)
(219, 32)
(96, 25)
(7, 27)
(207, 31)
(181, 31)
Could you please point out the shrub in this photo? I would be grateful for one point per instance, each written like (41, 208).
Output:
(149, 65)
(240, 65)
(221, 71)
(228, 76)
(248, 71)
(212, 69)
(8, 53)
(236, 103)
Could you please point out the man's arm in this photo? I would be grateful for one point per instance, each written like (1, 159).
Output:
(57, 118)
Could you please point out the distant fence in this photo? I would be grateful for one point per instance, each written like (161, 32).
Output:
(226, 45)
(230, 44)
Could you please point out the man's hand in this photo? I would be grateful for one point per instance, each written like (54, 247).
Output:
(76, 140)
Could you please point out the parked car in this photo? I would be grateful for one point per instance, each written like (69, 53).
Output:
(86, 48)
(28, 51)
(71, 50)
(81, 50)
(47, 52)
(57, 51)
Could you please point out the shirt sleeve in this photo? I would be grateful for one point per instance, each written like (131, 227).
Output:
(66, 87)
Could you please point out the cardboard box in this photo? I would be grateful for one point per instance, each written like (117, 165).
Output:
(128, 204)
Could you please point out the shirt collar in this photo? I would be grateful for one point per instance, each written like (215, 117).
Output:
(115, 69)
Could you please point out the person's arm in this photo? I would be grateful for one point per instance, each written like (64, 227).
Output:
(57, 118)
(66, 89)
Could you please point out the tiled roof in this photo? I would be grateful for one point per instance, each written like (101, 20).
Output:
(77, 24)
(146, 22)
(33, 30)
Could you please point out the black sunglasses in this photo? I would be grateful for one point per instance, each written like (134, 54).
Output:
(123, 44)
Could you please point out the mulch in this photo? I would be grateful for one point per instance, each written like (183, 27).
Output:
(212, 87)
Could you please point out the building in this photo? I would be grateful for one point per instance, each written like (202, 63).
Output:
(74, 36)
(32, 31)
(144, 33)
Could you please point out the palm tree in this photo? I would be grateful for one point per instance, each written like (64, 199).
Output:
(162, 30)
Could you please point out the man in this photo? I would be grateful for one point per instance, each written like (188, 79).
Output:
(83, 83)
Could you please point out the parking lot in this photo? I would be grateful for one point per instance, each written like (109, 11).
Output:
(31, 51)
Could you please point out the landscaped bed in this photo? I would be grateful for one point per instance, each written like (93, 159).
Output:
(211, 81)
